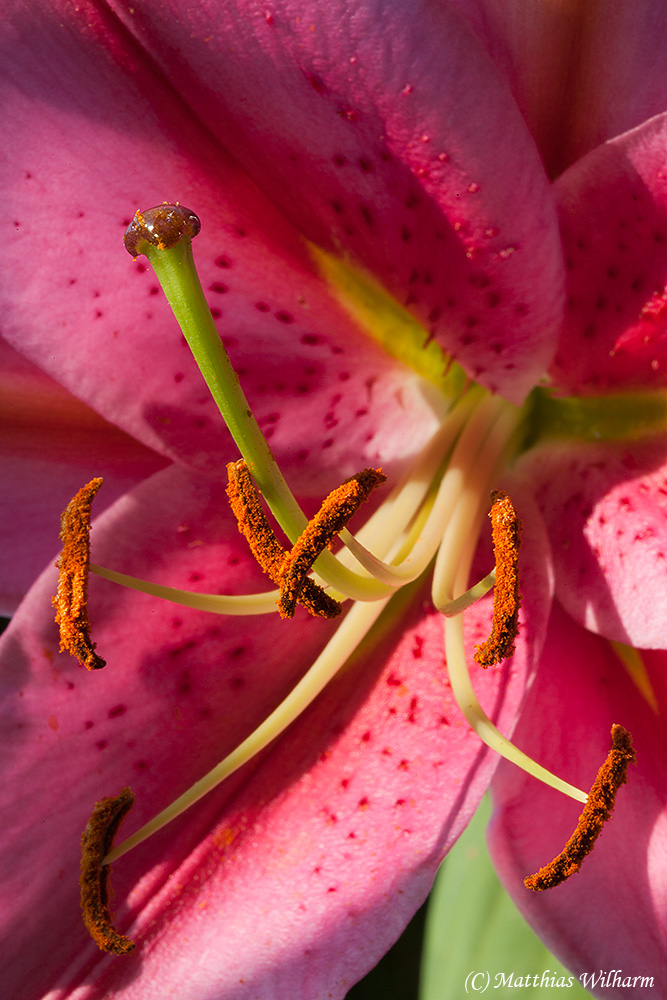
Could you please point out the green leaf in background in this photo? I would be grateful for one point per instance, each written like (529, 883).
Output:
(472, 926)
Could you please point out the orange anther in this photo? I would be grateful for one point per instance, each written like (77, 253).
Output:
(597, 811)
(71, 600)
(96, 843)
(506, 534)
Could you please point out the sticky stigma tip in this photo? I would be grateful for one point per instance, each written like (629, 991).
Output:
(163, 227)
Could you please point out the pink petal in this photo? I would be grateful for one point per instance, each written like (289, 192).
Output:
(99, 324)
(51, 444)
(297, 874)
(606, 511)
(605, 503)
(612, 207)
(466, 235)
(612, 914)
(581, 72)
(389, 135)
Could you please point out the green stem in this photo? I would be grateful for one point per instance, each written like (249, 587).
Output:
(176, 272)
(175, 269)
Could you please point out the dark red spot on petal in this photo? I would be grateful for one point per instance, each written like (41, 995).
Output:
(315, 81)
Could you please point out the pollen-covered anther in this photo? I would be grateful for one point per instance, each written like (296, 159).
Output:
(96, 842)
(597, 811)
(163, 227)
(71, 600)
(265, 547)
(334, 514)
(506, 535)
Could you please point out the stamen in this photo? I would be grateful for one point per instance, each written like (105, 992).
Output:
(251, 520)
(487, 439)
(506, 534)
(450, 578)
(265, 547)
(71, 600)
(597, 811)
(96, 843)
(466, 600)
(334, 514)
(217, 604)
(442, 472)
(479, 721)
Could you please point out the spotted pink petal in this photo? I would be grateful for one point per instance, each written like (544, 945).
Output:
(614, 909)
(605, 506)
(581, 73)
(386, 134)
(298, 873)
(612, 207)
(99, 324)
(51, 444)
(449, 209)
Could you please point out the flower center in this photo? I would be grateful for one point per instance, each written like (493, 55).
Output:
(432, 518)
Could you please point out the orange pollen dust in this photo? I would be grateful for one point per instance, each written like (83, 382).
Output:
(506, 534)
(71, 600)
(96, 842)
(289, 570)
(597, 811)
(337, 509)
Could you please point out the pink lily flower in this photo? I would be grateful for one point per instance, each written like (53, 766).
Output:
(405, 145)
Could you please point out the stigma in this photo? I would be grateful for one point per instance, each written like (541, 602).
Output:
(427, 524)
